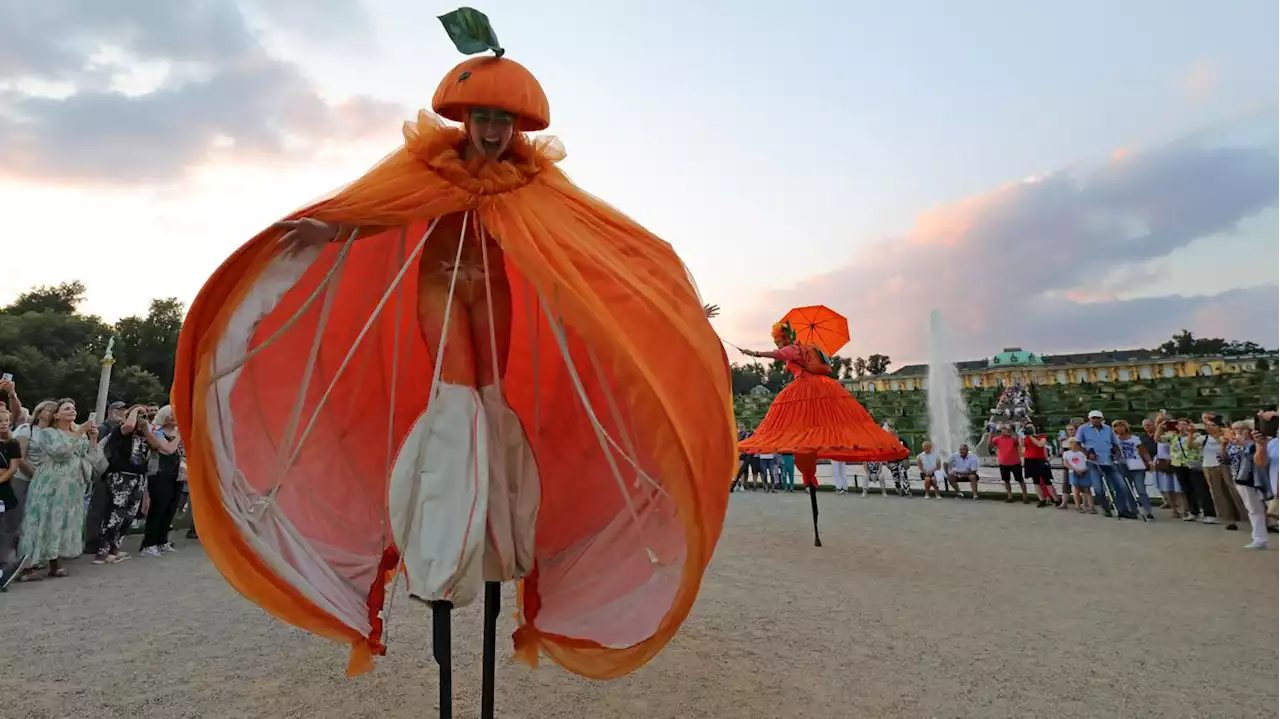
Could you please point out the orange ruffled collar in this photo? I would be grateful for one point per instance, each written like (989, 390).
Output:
(436, 144)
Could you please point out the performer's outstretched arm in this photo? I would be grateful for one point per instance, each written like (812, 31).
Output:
(790, 353)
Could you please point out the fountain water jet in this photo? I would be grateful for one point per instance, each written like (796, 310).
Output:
(948, 416)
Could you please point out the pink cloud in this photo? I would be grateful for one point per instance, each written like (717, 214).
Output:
(1042, 263)
(1201, 80)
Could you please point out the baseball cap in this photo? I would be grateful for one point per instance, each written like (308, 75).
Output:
(1095, 413)
(117, 405)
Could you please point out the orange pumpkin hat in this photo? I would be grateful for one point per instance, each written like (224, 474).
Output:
(487, 81)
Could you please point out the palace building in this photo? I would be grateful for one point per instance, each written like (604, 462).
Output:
(1014, 365)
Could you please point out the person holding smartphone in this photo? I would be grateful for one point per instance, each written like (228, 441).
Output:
(129, 448)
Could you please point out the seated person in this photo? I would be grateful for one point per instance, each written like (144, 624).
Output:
(961, 466)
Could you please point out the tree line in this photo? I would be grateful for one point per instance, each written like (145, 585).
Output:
(53, 350)
(773, 375)
(1186, 344)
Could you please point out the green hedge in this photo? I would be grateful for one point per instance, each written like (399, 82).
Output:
(1235, 395)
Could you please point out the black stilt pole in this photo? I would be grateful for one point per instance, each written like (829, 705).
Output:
(442, 650)
(492, 603)
(813, 500)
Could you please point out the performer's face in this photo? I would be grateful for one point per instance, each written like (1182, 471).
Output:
(490, 131)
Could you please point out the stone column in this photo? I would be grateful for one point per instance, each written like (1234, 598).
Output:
(104, 381)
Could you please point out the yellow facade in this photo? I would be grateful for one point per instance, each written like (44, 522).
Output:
(1042, 374)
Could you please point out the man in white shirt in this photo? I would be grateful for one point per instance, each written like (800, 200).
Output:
(963, 465)
(929, 462)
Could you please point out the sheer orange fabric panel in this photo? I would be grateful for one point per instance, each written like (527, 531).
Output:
(610, 355)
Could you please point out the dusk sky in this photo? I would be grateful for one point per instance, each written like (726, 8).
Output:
(1055, 176)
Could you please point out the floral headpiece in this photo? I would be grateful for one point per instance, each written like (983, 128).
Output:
(781, 331)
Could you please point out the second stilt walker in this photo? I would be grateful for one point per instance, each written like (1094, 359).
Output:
(815, 417)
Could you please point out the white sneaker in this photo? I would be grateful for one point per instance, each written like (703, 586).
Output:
(1191, 518)
(864, 492)
(150, 552)
(1256, 545)
(168, 547)
(1209, 520)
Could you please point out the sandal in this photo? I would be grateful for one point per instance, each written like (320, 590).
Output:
(59, 573)
(30, 575)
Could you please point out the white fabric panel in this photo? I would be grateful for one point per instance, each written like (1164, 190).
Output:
(514, 492)
(267, 531)
(439, 496)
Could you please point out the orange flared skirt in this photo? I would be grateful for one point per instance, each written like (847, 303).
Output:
(816, 415)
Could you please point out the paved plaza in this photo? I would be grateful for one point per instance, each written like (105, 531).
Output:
(914, 608)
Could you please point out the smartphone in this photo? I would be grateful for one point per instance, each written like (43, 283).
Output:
(7, 376)
(1267, 427)
(93, 418)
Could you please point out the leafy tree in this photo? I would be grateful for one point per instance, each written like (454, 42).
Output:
(54, 351)
(151, 342)
(777, 376)
(841, 367)
(1243, 348)
(745, 377)
(62, 299)
(860, 367)
(138, 385)
(877, 364)
(1186, 344)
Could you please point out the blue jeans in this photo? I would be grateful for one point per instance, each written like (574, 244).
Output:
(769, 470)
(1119, 490)
(1138, 478)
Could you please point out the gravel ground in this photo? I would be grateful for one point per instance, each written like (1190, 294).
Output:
(914, 608)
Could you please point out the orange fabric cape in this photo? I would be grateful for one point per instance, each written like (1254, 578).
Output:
(300, 526)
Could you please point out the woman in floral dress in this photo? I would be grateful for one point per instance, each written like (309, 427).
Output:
(53, 524)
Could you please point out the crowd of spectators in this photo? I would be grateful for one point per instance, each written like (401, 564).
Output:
(70, 487)
(1212, 471)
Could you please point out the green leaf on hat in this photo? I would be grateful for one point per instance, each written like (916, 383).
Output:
(470, 31)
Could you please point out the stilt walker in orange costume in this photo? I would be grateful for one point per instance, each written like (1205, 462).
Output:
(458, 371)
(814, 417)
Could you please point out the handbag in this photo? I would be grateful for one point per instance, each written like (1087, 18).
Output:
(93, 464)
(99, 461)
(145, 507)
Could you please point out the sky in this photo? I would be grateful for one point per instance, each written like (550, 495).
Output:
(1055, 176)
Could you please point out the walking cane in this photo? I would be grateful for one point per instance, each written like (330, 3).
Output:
(1106, 489)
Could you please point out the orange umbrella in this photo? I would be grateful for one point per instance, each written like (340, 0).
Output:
(821, 326)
